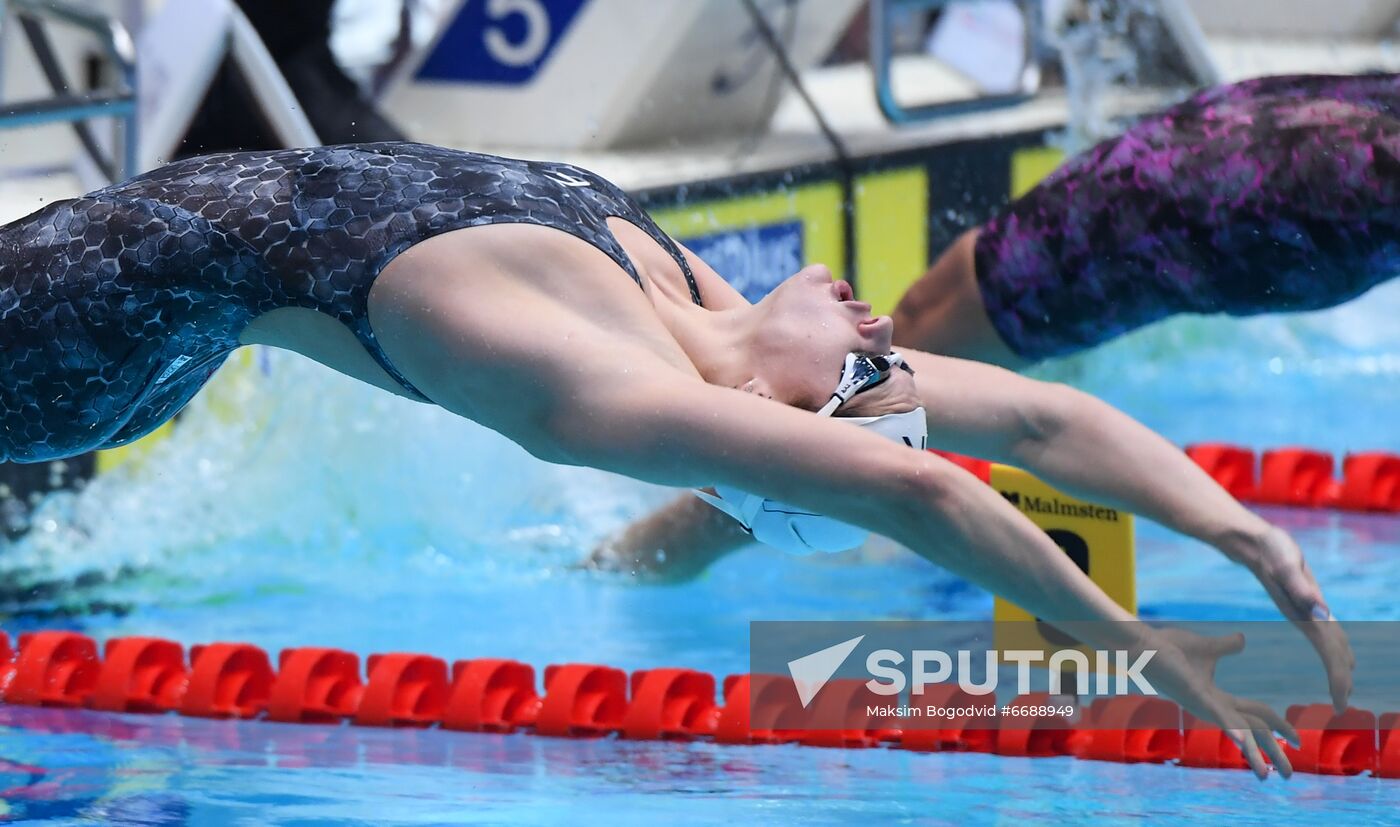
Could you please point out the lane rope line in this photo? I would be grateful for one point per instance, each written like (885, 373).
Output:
(317, 685)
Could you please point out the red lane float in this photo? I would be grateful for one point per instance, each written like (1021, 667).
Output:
(582, 700)
(847, 701)
(671, 704)
(1034, 735)
(1208, 747)
(140, 674)
(319, 685)
(227, 680)
(403, 691)
(53, 669)
(1371, 482)
(315, 686)
(491, 695)
(966, 732)
(1388, 762)
(1297, 476)
(758, 709)
(1131, 730)
(1303, 478)
(1230, 465)
(1331, 743)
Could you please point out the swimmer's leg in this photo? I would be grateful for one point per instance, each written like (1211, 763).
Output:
(943, 312)
(1244, 200)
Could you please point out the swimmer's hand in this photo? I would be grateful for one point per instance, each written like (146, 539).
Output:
(1279, 565)
(1184, 668)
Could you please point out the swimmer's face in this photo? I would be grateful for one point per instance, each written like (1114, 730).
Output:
(810, 323)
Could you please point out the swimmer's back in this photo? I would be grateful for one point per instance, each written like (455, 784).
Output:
(117, 306)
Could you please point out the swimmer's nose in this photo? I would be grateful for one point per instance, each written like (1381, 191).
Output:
(817, 272)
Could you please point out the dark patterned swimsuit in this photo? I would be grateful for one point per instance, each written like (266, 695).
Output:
(116, 307)
(1277, 194)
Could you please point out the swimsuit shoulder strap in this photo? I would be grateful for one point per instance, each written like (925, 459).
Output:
(611, 202)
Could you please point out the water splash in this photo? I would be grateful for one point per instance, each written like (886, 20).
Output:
(293, 467)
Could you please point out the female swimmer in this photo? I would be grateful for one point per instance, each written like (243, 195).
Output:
(1272, 195)
(539, 300)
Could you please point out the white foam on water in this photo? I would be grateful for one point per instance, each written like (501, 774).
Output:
(300, 467)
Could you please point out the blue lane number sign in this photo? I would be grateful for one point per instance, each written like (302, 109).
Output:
(503, 42)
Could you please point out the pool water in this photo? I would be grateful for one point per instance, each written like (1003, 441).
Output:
(293, 507)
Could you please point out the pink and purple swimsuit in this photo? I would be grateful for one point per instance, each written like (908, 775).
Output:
(1277, 194)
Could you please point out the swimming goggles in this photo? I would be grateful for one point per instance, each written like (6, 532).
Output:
(861, 373)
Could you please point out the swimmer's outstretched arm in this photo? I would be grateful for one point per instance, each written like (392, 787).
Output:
(1085, 446)
(686, 433)
(1073, 440)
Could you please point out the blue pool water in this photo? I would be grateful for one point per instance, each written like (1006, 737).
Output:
(293, 507)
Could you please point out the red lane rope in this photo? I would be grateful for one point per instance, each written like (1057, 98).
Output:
(1297, 477)
(314, 685)
(1303, 477)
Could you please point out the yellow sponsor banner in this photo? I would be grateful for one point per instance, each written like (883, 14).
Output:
(1030, 165)
(891, 234)
(817, 206)
(1098, 539)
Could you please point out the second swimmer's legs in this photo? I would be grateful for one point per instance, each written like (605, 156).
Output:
(1275, 195)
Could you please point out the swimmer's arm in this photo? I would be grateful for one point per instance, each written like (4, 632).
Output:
(1080, 444)
(687, 433)
(1085, 446)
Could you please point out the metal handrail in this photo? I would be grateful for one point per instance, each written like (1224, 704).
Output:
(882, 55)
(77, 109)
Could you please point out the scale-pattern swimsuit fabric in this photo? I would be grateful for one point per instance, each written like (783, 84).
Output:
(116, 307)
(1277, 194)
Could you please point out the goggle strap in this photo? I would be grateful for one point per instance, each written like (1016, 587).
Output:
(854, 381)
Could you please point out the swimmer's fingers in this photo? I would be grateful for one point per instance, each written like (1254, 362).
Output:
(1330, 640)
(1328, 637)
(1264, 737)
(1285, 574)
(1272, 719)
(1251, 725)
(1244, 739)
(1221, 709)
(1247, 733)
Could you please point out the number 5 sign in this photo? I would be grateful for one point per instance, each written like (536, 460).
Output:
(499, 41)
(1098, 539)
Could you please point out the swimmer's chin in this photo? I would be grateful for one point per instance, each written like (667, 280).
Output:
(878, 332)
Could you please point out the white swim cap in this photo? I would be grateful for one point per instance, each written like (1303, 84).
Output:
(798, 530)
